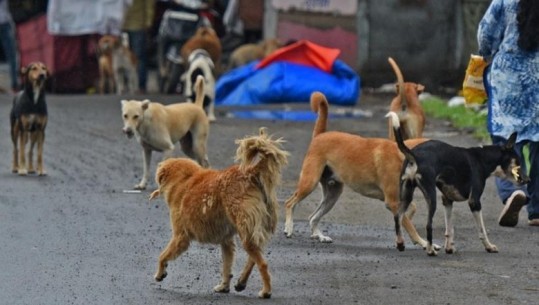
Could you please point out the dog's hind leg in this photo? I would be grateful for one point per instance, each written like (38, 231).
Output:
(30, 159)
(309, 177)
(23, 139)
(255, 254)
(429, 191)
(14, 138)
(227, 251)
(449, 229)
(40, 142)
(407, 188)
(242, 281)
(176, 246)
(331, 190)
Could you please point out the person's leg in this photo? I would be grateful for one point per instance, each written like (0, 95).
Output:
(9, 44)
(137, 42)
(533, 185)
(513, 197)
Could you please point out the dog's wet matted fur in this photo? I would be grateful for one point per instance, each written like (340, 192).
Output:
(212, 206)
(369, 166)
(28, 119)
(459, 173)
(407, 106)
(159, 127)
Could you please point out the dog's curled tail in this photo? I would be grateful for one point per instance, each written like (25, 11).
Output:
(263, 158)
(319, 104)
(398, 137)
(400, 82)
(199, 91)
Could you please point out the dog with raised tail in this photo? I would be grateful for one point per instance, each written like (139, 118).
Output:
(407, 106)
(200, 65)
(159, 127)
(369, 166)
(28, 118)
(459, 173)
(212, 206)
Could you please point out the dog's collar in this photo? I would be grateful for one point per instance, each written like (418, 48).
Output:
(199, 53)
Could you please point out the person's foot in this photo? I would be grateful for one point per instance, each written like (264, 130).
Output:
(509, 215)
(534, 222)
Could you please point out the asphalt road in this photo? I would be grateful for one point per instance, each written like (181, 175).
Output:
(74, 236)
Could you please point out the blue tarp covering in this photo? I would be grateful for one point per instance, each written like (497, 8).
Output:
(286, 82)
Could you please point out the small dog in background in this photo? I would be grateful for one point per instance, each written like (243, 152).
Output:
(459, 173)
(407, 106)
(117, 65)
(29, 118)
(200, 65)
(247, 53)
(204, 38)
(158, 128)
(212, 206)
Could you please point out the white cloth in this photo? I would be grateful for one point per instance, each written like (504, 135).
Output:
(80, 17)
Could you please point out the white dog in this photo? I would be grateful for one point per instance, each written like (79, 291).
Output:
(158, 127)
(200, 63)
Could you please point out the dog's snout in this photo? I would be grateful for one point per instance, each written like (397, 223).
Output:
(128, 132)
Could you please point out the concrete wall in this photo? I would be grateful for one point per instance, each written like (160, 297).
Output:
(430, 39)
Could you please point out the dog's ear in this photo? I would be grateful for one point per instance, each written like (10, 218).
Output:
(511, 141)
(145, 104)
(123, 102)
(419, 88)
(24, 71)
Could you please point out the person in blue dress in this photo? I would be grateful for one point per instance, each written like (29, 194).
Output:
(508, 37)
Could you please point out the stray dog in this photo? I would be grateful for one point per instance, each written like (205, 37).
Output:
(459, 173)
(249, 52)
(200, 65)
(406, 104)
(212, 206)
(29, 118)
(368, 166)
(204, 38)
(158, 127)
(117, 66)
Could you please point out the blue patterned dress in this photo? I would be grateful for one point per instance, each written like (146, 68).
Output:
(513, 75)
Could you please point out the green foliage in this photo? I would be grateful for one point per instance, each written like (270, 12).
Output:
(460, 116)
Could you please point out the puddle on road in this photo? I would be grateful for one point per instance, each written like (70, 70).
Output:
(295, 115)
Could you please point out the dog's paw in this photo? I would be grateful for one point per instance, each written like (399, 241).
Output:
(432, 252)
(264, 294)
(400, 246)
(436, 247)
(450, 250)
(139, 187)
(160, 277)
(42, 173)
(492, 249)
(22, 172)
(240, 286)
(322, 238)
(222, 288)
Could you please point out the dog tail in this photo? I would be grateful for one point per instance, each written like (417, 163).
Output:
(400, 83)
(398, 136)
(262, 158)
(199, 91)
(319, 104)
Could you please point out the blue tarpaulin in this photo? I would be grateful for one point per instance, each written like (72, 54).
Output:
(287, 82)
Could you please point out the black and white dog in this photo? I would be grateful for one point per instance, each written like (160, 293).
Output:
(459, 173)
(200, 63)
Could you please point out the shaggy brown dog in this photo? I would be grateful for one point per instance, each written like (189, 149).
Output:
(246, 53)
(370, 167)
(29, 118)
(211, 206)
(406, 104)
(205, 38)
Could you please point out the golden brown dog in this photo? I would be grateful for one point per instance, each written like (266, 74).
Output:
(204, 38)
(29, 118)
(247, 53)
(406, 104)
(158, 127)
(212, 206)
(117, 66)
(368, 166)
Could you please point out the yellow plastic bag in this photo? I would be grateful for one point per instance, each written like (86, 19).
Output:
(473, 88)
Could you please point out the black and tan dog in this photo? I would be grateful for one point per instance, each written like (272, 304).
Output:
(459, 173)
(28, 119)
